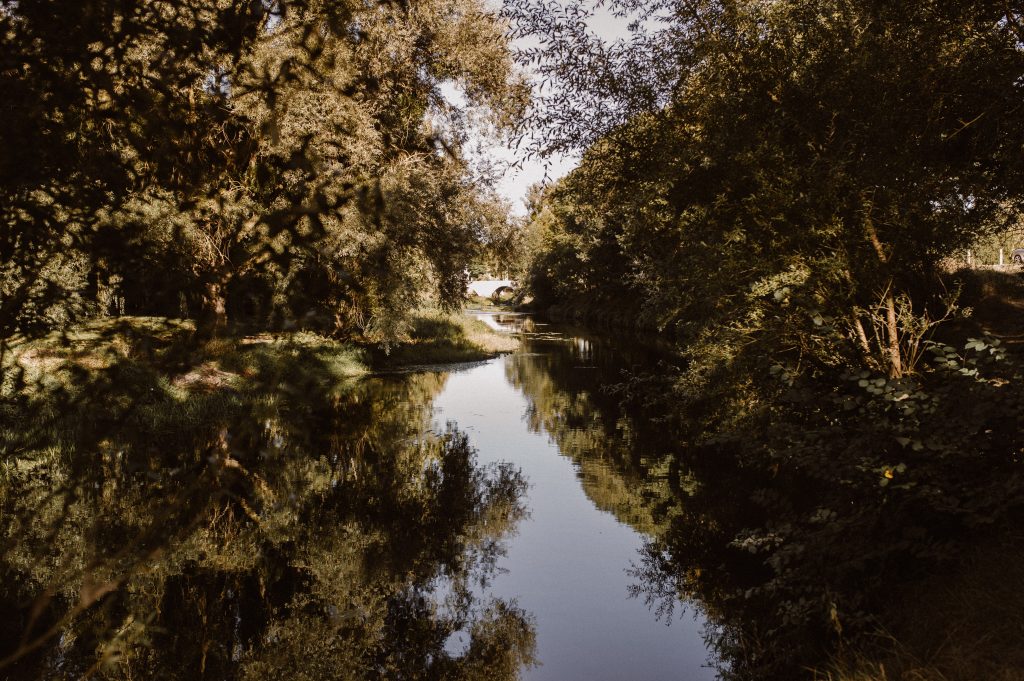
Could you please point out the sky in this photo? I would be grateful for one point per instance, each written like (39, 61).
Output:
(515, 182)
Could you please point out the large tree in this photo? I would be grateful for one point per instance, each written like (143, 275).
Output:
(242, 138)
(830, 151)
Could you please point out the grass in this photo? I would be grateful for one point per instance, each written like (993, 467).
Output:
(134, 346)
(110, 382)
(131, 378)
(439, 338)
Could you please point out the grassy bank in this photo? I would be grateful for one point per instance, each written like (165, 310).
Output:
(965, 622)
(438, 338)
(165, 346)
(140, 349)
(131, 384)
(959, 625)
(147, 376)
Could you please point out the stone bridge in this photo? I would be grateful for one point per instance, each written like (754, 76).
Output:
(490, 288)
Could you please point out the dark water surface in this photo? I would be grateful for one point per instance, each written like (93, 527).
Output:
(568, 563)
(467, 523)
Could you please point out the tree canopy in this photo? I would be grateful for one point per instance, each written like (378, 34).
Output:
(291, 161)
(830, 152)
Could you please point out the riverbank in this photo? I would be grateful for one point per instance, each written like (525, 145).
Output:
(992, 299)
(438, 338)
(869, 528)
(145, 381)
(149, 373)
(960, 624)
(167, 347)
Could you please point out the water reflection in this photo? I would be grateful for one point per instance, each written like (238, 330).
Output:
(597, 487)
(785, 537)
(566, 374)
(304, 528)
(592, 396)
(294, 530)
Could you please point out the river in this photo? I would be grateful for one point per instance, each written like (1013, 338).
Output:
(557, 513)
(465, 523)
(568, 563)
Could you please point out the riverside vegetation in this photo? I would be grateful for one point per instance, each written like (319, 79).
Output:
(776, 187)
(217, 496)
(261, 514)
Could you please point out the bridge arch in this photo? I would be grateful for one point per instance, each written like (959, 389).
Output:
(498, 292)
(487, 288)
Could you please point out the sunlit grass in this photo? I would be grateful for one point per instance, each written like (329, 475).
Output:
(147, 375)
(157, 355)
(440, 338)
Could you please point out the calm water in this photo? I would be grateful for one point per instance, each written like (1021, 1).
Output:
(475, 523)
(568, 563)
(466, 524)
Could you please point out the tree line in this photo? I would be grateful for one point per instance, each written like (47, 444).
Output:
(828, 154)
(288, 163)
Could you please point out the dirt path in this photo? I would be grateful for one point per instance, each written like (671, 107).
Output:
(1000, 310)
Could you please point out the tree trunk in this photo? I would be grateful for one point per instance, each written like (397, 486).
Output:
(892, 332)
(92, 285)
(213, 317)
(862, 336)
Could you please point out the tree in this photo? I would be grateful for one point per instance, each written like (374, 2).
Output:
(829, 151)
(259, 135)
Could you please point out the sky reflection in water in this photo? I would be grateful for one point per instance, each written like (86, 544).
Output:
(567, 564)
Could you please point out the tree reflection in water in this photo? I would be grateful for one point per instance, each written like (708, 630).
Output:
(292, 529)
(589, 397)
(622, 469)
(782, 537)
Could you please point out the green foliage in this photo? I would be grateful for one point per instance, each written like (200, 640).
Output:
(774, 185)
(777, 148)
(834, 495)
(292, 163)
